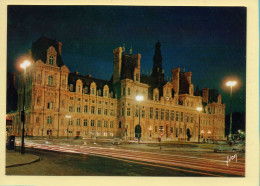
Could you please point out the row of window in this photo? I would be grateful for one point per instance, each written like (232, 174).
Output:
(92, 123)
(92, 111)
(92, 91)
(167, 115)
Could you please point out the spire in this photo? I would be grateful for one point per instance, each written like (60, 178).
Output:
(157, 71)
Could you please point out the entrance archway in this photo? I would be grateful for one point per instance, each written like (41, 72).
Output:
(188, 134)
(138, 131)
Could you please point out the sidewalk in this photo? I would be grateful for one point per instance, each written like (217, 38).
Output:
(14, 159)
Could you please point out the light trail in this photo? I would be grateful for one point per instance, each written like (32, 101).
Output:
(203, 166)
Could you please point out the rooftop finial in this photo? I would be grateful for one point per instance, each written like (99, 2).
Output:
(131, 50)
(123, 47)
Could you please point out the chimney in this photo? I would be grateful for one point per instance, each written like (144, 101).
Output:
(205, 95)
(176, 79)
(188, 76)
(59, 45)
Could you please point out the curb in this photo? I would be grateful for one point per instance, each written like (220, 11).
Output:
(20, 164)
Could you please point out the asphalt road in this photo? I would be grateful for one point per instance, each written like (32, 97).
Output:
(129, 160)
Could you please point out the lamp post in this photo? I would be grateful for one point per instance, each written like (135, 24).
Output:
(139, 98)
(68, 117)
(231, 84)
(24, 65)
(199, 109)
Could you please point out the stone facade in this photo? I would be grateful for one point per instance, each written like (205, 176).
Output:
(60, 103)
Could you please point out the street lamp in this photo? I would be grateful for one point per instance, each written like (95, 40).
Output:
(139, 98)
(199, 109)
(231, 84)
(68, 117)
(24, 65)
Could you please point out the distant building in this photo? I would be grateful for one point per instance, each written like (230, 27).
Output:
(11, 93)
(100, 108)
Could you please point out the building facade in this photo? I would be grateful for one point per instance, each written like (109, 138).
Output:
(59, 103)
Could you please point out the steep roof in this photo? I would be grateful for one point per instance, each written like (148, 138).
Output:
(87, 80)
(39, 50)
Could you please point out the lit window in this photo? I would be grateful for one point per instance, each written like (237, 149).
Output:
(105, 133)
(162, 114)
(143, 113)
(111, 134)
(157, 113)
(111, 112)
(172, 115)
(78, 108)
(128, 112)
(92, 110)
(167, 114)
(50, 104)
(105, 112)
(151, 112)
(124, 91)
(85, 122)
(111, 124)
(92, 123)
(86, 90)
(49, 120)
(85, 109)
(50, 80)
(78, 122)
(51, 60)
(70, 122)
(105, 123)
(99, 123)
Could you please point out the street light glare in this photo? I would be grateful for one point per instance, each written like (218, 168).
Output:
(199, 109)
(231, 83)
(68, 116)
(139, 98)
(25, 64)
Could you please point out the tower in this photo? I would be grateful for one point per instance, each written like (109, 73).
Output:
(157, 72)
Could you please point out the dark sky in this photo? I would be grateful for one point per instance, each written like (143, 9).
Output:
(208, 41)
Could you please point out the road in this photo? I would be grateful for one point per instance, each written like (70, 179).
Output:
(171, 161)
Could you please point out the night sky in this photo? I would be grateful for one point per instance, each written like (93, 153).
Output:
(208, 41)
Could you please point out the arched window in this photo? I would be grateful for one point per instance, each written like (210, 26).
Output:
(92, 91)
(51, 60)
(124, 91)
(50, 80)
